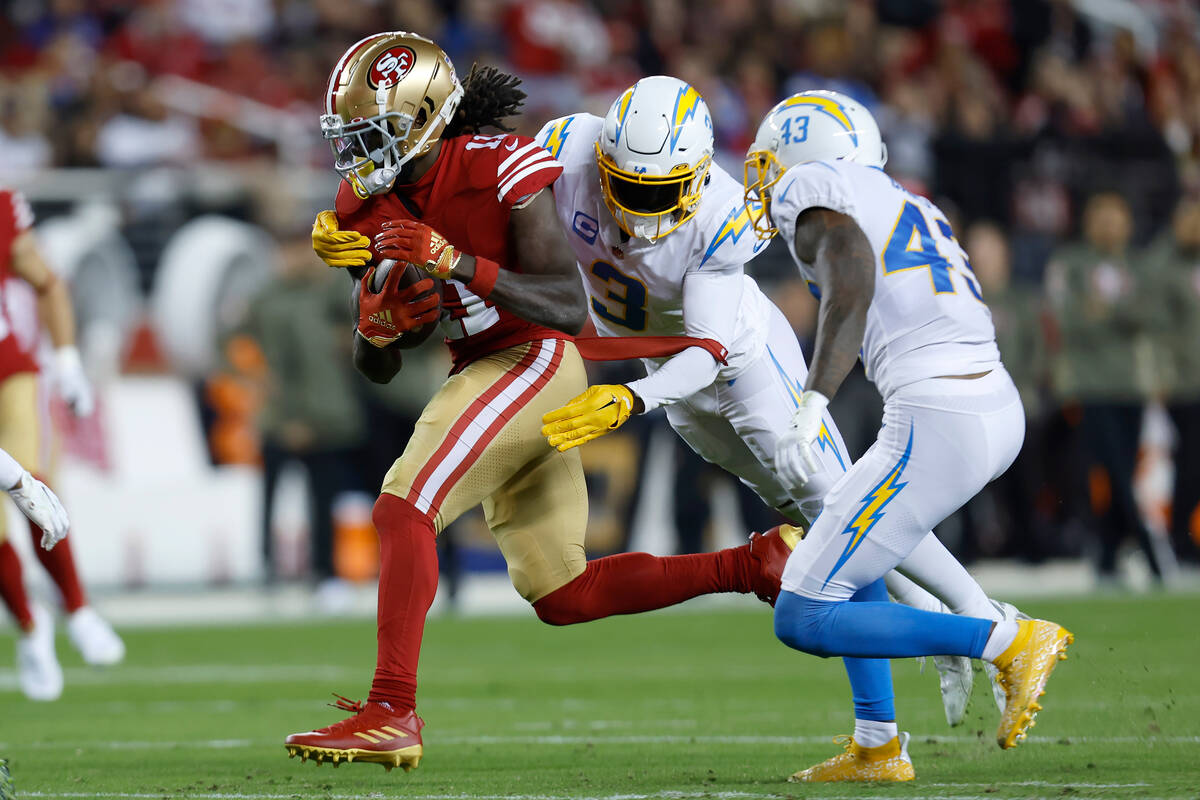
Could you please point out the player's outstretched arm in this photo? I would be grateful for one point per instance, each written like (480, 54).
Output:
(845, 269)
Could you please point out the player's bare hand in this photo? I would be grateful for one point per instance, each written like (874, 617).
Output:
(43, 508)
(795, 457)
(384, 316)
(597, 411)
(414, 242)
(338, 248)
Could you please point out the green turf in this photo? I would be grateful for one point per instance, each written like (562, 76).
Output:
(678, 704)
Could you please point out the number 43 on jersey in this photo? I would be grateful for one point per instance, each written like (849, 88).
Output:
(913, 246)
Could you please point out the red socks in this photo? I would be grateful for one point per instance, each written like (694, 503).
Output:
(12, 587)
(61, 565)
(633, 582)
(408, 578)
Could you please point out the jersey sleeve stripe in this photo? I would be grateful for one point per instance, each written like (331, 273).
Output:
(548, 163)
(540, 155)
(535, 158)
(521, 151)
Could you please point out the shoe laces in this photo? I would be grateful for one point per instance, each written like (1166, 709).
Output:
(346, 704)
(845, 740)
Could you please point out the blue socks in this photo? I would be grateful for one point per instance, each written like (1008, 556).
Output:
(870, 678)
(875, 629)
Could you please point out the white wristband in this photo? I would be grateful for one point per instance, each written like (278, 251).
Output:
(66, 358)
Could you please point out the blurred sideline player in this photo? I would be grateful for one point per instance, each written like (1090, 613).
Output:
(422, 187)
(661, 235)
(38, 671)
(895, 290)
(25, 433)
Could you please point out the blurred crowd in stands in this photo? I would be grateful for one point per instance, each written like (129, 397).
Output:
(1063, 139)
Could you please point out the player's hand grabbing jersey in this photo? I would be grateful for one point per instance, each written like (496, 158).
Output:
(927, 317)
(467, 197)
(642, 288)
(16, 218)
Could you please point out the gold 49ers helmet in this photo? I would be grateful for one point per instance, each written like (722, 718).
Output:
(389, 98)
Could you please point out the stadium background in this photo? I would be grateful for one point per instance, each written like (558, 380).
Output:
(171, 152)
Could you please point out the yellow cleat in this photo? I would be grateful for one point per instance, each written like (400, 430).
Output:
(887, 763)
(1024, 669)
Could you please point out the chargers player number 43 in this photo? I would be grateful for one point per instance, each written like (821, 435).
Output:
(913, 246)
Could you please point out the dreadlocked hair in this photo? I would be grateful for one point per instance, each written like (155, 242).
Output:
(489, 96)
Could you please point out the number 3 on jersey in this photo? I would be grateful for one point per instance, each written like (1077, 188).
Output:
(626, 307)
(912, 246)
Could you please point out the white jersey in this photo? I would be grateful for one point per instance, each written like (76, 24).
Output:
(927, 317)
(639, 288)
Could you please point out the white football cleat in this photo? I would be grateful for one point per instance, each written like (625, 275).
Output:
(94, 638)
(38, 670)
(955, 677)
(1011, 614)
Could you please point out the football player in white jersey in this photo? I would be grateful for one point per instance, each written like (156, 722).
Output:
(895, 289)
(661, 236)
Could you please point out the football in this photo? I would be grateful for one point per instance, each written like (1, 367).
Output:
(412, 274)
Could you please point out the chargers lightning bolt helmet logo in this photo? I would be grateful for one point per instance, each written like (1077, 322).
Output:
(623, 110)
(686, 103)
(826, 105)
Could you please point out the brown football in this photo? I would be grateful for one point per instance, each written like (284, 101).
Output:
(412, 274)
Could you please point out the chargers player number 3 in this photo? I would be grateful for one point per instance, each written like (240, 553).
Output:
(626, 306)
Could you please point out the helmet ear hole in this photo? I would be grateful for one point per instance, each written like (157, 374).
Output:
(422, 118)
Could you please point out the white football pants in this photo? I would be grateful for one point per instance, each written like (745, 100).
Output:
(735, 425)
(942, 440)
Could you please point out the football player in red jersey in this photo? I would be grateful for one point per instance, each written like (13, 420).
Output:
(24, 434)
(423, 186)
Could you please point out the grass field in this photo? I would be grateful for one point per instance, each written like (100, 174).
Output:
(696, 704)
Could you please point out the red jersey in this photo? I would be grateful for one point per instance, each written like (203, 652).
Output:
(467, 196)
(16, 351)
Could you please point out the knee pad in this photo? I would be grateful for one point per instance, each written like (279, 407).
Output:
(800, 623)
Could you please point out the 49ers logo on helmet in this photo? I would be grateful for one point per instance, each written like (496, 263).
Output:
(391, 65)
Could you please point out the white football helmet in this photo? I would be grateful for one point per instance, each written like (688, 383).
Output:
(654, 154)
(810, 126)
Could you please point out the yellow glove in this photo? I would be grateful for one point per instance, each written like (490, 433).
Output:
(594, 413)
(338, 248)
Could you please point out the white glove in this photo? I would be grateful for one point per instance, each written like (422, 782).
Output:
(43, 508)
(71, 381)
(795, 455)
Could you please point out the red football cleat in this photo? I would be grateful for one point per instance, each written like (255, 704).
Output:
(377, 733)
(769, 551)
